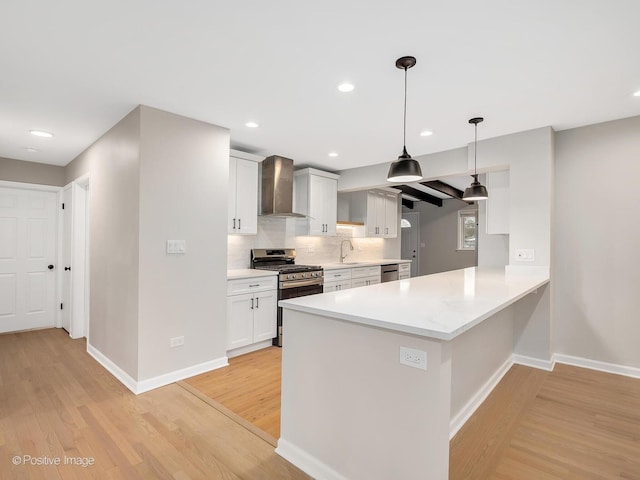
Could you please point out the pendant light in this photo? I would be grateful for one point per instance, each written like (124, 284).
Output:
(476, 191)
(405, 169)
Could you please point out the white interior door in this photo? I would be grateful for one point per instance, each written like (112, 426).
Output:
(410, 242)
(27, 259)
(67, 244)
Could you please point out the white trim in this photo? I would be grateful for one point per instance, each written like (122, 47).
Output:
(245, 156)
(249, 348)
(307, 463)
(177, 375)
(534, 362)
(155, 382)
(30, 186)
(614, 368)
(112, 368)
(480, 396)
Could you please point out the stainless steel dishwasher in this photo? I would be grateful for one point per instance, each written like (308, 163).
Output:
(389, 272)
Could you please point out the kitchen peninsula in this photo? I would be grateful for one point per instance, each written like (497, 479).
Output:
(356, 404)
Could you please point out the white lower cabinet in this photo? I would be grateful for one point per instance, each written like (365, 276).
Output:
(404, 271)
(363, 276)
(336, 286)
(252, 316)
(363, 282)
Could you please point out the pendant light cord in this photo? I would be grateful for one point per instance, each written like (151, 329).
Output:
(404, 124)
(475, 154)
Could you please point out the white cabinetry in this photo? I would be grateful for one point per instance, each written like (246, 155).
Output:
(378, 209)
(498, 202)
(251, 311)
(363, 276)
(316, 195)
(404, 271)
(335, 280)
(243, 194)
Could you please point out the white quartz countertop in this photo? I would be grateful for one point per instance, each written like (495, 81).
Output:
(439, 306)
(363, 263)
(248, 273)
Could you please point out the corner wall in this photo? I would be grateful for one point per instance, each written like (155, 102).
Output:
(596, 273)
(113, 165)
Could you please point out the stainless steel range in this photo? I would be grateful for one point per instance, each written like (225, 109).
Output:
(293, 280)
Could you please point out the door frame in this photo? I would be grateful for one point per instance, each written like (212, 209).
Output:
(79, 278)
(413, 215)
(37, 187)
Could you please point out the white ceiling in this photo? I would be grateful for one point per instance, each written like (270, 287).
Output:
(75, 68)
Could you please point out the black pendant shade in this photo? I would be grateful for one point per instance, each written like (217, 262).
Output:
(475, 191)
(405, 169)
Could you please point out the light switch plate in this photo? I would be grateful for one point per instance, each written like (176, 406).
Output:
(176, 247)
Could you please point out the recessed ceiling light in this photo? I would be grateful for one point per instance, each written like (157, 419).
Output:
(251, 125)
(333, 154)
(32, 149)
(637, 94)
(426, 133)
(41, 133)
(346, 87)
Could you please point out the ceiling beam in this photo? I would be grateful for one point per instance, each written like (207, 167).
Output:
(407, 203)
(420, 195)
(445, 188)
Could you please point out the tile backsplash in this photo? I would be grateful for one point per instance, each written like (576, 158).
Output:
(281, 232)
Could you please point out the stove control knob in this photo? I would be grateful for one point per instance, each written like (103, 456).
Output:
(289, 277)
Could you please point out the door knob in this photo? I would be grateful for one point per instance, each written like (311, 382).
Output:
(50, 267)
(67, 269)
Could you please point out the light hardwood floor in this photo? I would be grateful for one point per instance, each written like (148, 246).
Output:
(567, 424)
(57, 402)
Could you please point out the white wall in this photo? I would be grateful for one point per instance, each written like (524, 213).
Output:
(184, 166)
(597, 269)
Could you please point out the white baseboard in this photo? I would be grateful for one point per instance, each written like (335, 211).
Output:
(534, 362)
(249, 348)
(112, 368)
(480, 396)
(155, 382)
(307, 463)
(614, 368)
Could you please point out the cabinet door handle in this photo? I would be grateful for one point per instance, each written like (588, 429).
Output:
(257, 302)
(234, 223)
(386, 230)
(254, 285)
(239, 224)
(252, 304)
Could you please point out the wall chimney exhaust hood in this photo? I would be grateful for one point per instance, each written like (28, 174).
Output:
(277, 188)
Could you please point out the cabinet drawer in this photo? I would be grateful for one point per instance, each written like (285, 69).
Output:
(361, 272)
(337, 275)
(250, 285)
(366, 281)
(404, 268)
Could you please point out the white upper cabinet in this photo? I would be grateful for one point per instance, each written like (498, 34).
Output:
(498, 202)
(243, 195)
(316, 195)
(378, 209)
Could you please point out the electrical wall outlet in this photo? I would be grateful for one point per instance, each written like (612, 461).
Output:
(525, 254)
(176, 341)
(413, 358)
(176, 247)
(310, 249)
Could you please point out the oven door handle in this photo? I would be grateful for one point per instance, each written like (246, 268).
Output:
(299, 283)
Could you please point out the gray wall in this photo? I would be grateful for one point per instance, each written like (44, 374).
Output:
(183, 195)
(597, 263)
(114, 168)
(439, 233)
(31, 172)
(156, 176)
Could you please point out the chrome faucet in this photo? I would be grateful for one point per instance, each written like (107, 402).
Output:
(342, 255)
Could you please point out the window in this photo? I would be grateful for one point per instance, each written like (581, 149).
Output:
(467, 229)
